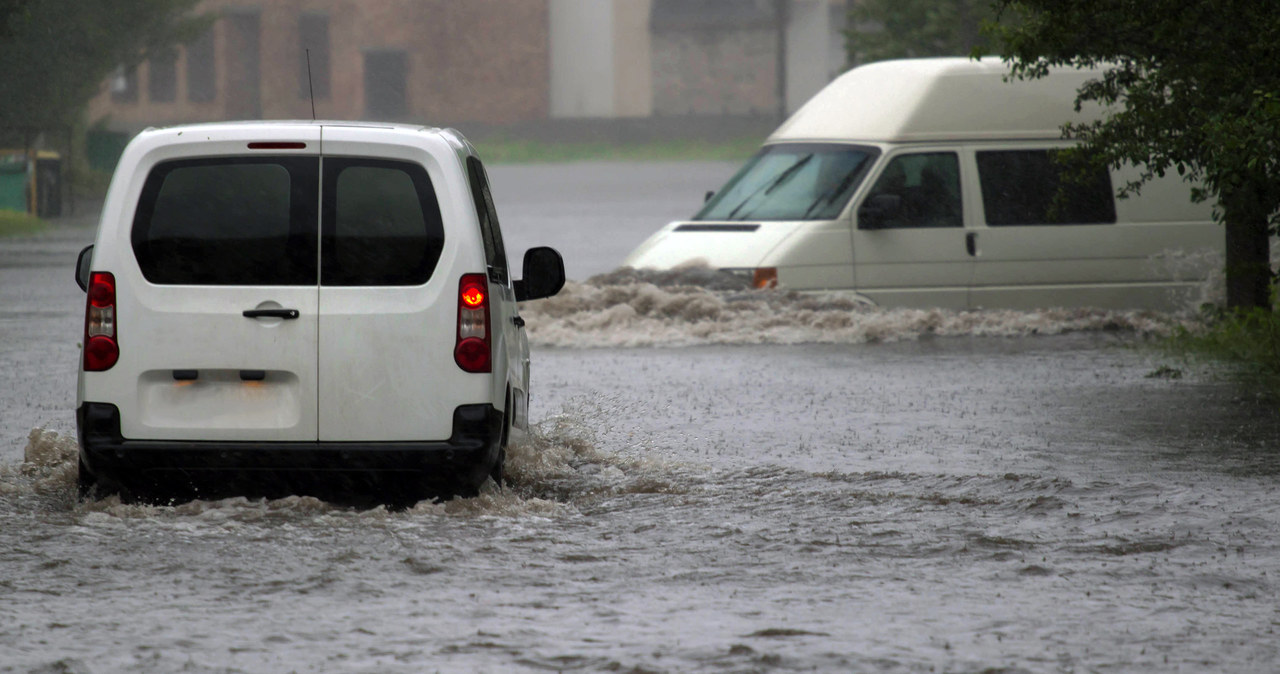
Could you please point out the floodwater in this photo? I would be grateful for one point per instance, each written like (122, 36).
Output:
(718, 481)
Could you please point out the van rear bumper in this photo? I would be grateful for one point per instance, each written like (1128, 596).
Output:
(458, 465)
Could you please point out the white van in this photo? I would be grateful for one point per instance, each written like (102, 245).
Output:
(292, 300)
(929, 183)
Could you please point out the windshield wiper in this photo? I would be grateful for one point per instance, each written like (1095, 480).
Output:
(836, 190)
(773, 184)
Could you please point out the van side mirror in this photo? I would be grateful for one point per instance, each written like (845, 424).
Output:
(876, 212)
(83, 264)
(543, 274)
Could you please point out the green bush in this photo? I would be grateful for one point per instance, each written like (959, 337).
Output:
(1245, 340)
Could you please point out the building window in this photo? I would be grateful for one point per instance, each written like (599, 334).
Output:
(124, 85)
(385, 77)
(162, 76)
(202, 84)
(313, 37)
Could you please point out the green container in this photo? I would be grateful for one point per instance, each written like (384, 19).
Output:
(13, 183)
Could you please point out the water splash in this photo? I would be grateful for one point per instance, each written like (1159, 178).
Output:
(693, 306)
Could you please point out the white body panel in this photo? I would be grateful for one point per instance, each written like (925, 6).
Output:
(960, 107)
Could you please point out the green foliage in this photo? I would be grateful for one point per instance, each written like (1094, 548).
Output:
(14, 223)
(1192, 88)
(58, 52)
(1246, 340)
(887, 29)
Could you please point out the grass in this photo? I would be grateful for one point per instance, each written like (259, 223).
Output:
(1247, 342)
(14, 223)
(503, 151)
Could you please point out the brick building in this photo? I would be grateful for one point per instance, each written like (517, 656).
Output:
(484, 62)
(441, 61)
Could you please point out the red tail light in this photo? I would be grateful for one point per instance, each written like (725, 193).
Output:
(101, 350)
(474, 349)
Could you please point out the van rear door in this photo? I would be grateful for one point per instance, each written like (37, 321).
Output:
(217, 324)
(388, 317)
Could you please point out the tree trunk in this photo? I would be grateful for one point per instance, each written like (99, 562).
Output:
(1248, 251)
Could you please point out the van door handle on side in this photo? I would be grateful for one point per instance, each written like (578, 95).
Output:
(971, 243)
(287, 314)
(518, 321)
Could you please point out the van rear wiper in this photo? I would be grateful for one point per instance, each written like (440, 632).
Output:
(773, 184)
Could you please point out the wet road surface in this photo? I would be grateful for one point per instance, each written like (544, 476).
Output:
(909, 498)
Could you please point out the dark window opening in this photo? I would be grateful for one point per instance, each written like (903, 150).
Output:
(495, 254)
(385, 80)
(202, 85)
(915, 190)
(229, 221)
(162, 76)
(244, 68)
(313, 35)
(381, 224)
(1027, 187)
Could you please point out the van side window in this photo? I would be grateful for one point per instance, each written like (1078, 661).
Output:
(381, 224)
(1026, 187)
(915, 190)
(495, 256)
(228, 221)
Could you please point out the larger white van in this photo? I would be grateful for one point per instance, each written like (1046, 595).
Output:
(930, 182)
(293, 300)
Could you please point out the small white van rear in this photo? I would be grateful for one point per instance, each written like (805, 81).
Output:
(310, 298)
(930, 183)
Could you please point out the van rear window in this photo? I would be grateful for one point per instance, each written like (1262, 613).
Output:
(228, 221)
(381, 224)
(1027, 187)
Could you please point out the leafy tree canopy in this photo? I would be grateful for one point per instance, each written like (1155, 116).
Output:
(887, 29)
(58, 52)
(1193, 88)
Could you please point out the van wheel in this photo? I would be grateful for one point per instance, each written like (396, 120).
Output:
(92, 487)
(496, 471)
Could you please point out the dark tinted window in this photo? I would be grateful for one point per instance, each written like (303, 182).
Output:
(923, 188)
(495, 254)
(228, 221)
(381, 224)
(1026, 187)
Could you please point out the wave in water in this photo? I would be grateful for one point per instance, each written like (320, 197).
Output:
(686, 307)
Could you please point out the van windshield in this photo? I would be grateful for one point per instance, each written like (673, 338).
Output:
(792, 181)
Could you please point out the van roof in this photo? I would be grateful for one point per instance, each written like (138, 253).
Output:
(934, 99)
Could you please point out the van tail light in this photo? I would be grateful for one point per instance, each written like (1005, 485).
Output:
(474, 349)
(101, 350)
(764, 277)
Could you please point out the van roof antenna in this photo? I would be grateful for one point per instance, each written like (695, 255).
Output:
(310, 88)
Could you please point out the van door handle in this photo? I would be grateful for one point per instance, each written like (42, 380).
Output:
(971, 243)
(287, 314)
(518, 321)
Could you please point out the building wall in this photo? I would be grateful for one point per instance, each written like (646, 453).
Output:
(711, 71)
(479, 60)
(600, 58)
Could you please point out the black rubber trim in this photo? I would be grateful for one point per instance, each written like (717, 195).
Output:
(717, 228)
(186, 375)
(458, 464)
